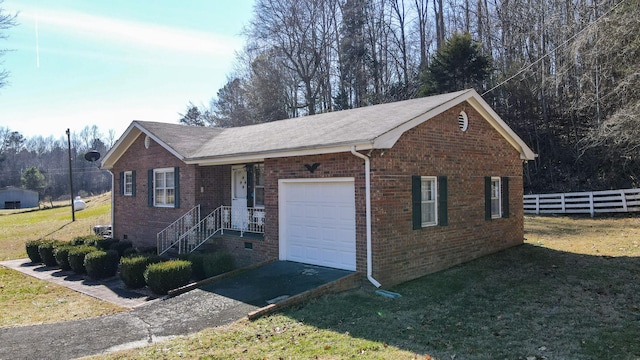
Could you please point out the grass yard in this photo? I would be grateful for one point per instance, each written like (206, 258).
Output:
(25, 300)
(570, 292)
(54, 223)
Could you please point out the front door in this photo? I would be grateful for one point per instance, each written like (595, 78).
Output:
(239, 197)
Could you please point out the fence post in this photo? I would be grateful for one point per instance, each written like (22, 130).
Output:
(537, 204)
(624, 200)
(591, 208)
(564, 209)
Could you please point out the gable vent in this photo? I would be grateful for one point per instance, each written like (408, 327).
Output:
(463, 121)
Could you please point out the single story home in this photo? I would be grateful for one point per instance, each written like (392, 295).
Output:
(12, 197)
(394, 191)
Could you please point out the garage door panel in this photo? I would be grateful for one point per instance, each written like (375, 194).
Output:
(319, 223)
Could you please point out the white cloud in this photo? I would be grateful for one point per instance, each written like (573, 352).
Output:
(138, 34)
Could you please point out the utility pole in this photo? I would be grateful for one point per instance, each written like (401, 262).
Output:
(73, 210)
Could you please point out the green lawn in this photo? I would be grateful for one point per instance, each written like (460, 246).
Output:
(570, 292)
(25, 300)
(528, 302)
(55, 223)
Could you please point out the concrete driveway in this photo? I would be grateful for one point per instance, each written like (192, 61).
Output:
(214, 304)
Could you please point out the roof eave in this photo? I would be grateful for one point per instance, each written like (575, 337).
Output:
(130, 135)
(279, 153)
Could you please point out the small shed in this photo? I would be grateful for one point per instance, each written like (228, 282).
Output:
(15, 198)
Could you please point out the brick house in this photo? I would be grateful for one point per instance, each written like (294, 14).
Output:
(395, 190)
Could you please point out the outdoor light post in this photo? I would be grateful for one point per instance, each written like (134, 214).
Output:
(73, 210)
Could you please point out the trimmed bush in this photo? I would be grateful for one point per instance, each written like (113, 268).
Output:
(150, 250)
(76, 257)
(196, 260)
(61, 253)
(130, 252)
(32, 250)
(121, 246)
(101, 264)
(132, 269)
(164, 276)
(217, 263)
(205, 265)
(89, 240)
(46, 253)
(104, 244)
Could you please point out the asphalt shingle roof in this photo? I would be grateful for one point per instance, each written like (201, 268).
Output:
(309, 133)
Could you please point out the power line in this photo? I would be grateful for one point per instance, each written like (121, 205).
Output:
(556, 48)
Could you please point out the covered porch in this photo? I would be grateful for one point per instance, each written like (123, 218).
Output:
(230, 201)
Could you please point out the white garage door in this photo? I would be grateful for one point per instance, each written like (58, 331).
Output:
(317, 222)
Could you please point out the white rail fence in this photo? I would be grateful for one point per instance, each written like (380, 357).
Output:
(610, 201)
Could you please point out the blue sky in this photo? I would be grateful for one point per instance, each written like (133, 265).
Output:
(75, 63)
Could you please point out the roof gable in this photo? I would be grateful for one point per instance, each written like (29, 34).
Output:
(371, 127)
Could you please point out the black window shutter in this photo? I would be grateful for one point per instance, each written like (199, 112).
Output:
(121, 180)
(505, 197)
(176, 174)
(416, 200)
(443, 211)
(133, 183)
(487, 198)
(150, 188)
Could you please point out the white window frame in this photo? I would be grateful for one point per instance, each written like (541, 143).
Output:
(432, 183)
(128, 183)
(164, 200)
(496, 197)
(258, 168)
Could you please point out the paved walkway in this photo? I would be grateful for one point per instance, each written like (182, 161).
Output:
(112, 290)
(215, 304)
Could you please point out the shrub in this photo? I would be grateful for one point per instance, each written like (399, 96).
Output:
(132, 269)
(46, 252)
(90, 240)
(104, 243)
(217, 263)
(61, 253)
(129, 252)
(76, 257)
(121, 246)
(32, 251)
(150, 250)
(205, 265)
(101, 264)
(164, 276)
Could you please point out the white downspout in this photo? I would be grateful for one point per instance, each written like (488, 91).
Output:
(113, 202)
(367, 177)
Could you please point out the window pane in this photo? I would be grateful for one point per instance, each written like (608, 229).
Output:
(495, 197)
(170, 196)
(259, 201)
(428, 213)
(427, 190)
(495, 207)
(428, 193)
(160, 198)
(495, 188)
(128, 183)
(169, 179)
(159, 180)
(259, 175)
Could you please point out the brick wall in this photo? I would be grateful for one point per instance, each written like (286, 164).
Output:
(133, 218)
(435, 148)
(331, 165)
(439, 148)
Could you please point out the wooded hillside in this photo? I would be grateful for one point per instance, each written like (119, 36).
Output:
(563, 74)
